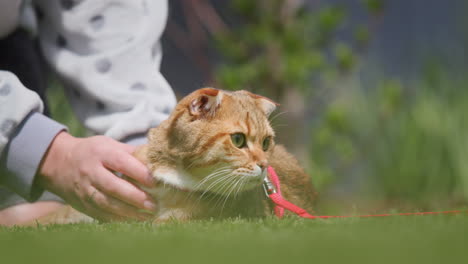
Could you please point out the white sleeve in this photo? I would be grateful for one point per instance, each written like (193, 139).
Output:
(16, 103)
(108, 54)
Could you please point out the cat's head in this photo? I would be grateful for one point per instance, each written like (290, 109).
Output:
(222, 138)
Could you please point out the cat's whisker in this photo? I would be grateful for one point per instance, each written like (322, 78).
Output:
(214, 174)
(244, 183)
(237, 186)
(210, 176)
(212, 185)
(279, 125)
(234, 187)
(244, 180)
(231, 189)
(223, 189)
(228, 188)
(191, 164)
(271, 119)
(216, 182)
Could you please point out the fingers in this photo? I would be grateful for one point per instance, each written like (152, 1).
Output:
(128, 165)
(111, 185)
(114, 209)
(127, 147)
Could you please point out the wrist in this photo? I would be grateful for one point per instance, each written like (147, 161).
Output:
(55, 158)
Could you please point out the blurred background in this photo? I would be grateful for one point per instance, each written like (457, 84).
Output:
(373, 93)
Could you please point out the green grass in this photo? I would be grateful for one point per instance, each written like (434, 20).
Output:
(401, 239)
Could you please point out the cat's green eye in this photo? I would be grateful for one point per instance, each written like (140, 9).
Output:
(238, 139)
(266, 143)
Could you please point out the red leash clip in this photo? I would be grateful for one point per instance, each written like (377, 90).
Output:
(271, 186)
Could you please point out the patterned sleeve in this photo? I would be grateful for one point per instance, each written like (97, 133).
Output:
(108, 55)
(25, 136)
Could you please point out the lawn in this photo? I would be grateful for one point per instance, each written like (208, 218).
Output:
(398, 239)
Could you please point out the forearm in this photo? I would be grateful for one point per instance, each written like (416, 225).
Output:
(25, 136)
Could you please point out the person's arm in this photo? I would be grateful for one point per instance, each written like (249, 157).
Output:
(36, 153)
(108, 54)
(25, 135)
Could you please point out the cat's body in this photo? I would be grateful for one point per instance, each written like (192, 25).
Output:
(209, 159)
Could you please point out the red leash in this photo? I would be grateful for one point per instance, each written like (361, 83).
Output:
(272, 189)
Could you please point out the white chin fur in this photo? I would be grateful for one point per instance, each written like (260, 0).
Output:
(175, 178)
(240, 180)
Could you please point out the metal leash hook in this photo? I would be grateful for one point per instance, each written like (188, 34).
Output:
(268, 186)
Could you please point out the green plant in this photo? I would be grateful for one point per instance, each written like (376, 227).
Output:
(281, 46)
(407, 144)
(60, 109)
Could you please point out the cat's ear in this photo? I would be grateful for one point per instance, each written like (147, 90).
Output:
(267, 105)
(206, 102)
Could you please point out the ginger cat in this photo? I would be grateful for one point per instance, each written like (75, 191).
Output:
(210, 158)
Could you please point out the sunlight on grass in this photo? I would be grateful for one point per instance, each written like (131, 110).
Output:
(415, 239)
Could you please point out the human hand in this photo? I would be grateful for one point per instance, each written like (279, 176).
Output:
(79, 171)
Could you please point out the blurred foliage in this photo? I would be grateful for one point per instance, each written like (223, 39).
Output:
(60, 109)
(374, 6)
(281, 46)
(407, 144)
(396, 142)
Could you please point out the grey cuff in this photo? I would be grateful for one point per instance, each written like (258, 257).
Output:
(24, 152)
